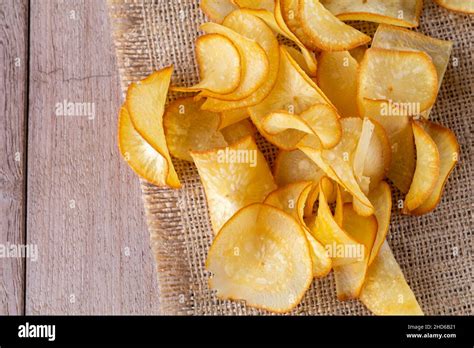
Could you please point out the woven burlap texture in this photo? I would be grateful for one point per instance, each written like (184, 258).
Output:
(434, 251)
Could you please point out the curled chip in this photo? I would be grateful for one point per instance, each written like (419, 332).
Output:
(401, 77)
(385, 291)
(236, 131)
(448, 149)
(145, 103)
(233, 177)
(253, 60)
(320, 120)
(293, 166)
(326, 31)
(217, 10)
(254, 29)
(350, 277)
(300, 59)
(289, 11)
(211, 51)
(337, 78)
(188, 128)
(261, 255)
(148, 163)
(396, 38)
(229, 117)
(379, 11)
(293, 92)
(427, 169)
(381, 198)
(463, 6)
(256, 4)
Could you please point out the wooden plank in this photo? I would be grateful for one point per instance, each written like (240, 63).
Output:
(13, 95)
(84, 207)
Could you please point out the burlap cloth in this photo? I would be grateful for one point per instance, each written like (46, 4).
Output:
(434, 251)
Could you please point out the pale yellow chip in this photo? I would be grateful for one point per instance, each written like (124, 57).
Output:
(229, 117)
(396, 38)
(448, 148)
(400, 137)
(141, 156)
(253, 60)
(262, 256)
(327, 231)
(385, 291)
(293, 92)
(256, 4)
(253, 28)
(463, 6)
(145, 102)
(405, 13)
(289, 11)
(381, 198)
(217, 10)
(350, 277)
(406, 78)
(188, 128)
(337, 78)
(237, 131)
(211, 51)
(427, 169)
(293, 166)
(326, 31)
(300, 59)
(233, 177)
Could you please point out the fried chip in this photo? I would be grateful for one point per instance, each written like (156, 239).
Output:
(253, 28)
(462, 6)
(253, 60)
(237, 131)
(289, 11)
(217, 10)
(300, 59)
(233, 177)
(211, 51)
(188, 128)
(427, 172)
(262, 256)
(350, 277)
(326, 31)
(405, 13)
(448, 149)
(385, 290)
(337, 78)
(256, 4)
(145, 103)
(293, 166)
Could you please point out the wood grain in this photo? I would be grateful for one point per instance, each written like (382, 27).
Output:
(13, 101)
(84, 207)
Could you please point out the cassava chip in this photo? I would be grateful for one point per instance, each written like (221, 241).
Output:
(233, 177)
(145, 102)
(402, 77)
(256, 4)
(405, 13)
(293, 166)
(381, 198)
(254, 29)
(253, 61)
(427, 169)
(211, 51)
(396, 38)
(300, 59)
(217, 10)
(293, 92)
(229, 117)
(237, 131)
(289, 11)
(326, 31)
(448, 149)
(337, 78)
(385, 290)
(148, 163)
(463, 6)
(350, 277)
(262, 256)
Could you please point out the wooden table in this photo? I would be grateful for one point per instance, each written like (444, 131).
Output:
(63, 187)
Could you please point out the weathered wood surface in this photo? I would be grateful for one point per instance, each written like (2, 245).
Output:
(13, 108)
(84, 210)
